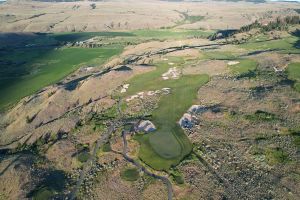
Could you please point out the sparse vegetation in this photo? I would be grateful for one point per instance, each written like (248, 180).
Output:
(260, 115)
(276, 156)
(83, 156)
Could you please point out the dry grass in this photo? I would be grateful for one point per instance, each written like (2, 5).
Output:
(116, 15)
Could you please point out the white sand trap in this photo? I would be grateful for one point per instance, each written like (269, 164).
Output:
(166, 90)
(141, 95)
(170, 63)
(233, 62)
(89, 68)
(157, 91)
(171, 73)
(124, 88)
(150, 93)
(132, 98)
(165, 59)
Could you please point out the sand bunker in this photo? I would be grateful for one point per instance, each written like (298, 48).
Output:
(124, 88)
(141, 95)
(187, 120)
(233, 63)
(172, 73)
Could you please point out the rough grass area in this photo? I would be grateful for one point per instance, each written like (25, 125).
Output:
(293, 72)
(244, 67)
(260, 115)
(218, 55)
(276, 156)
(106, 147)
(83, 156)
(42, 194)
(168, 145)
(130, 174)
(295, 133)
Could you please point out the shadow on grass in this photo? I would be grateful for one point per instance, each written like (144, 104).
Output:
(30, 61)
(50, 185)
(296, 33)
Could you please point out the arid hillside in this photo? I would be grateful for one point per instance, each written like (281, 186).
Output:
(26, 16)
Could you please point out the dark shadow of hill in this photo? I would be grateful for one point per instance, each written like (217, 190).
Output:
(296, 33)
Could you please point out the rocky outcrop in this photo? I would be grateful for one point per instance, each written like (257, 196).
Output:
(197, 109)
(186, 121)
(146, 126)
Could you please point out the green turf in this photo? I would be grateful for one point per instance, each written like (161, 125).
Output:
(284, 44)
(171, 33)
(130, 174)
(45, 69)
(168, 145)
(293, 72)
(243, 67)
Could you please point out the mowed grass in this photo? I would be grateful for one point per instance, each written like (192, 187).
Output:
(286, 44)
(170, 33)
(244, 66)
(293, 72)
(167, 146)
(47, 68)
